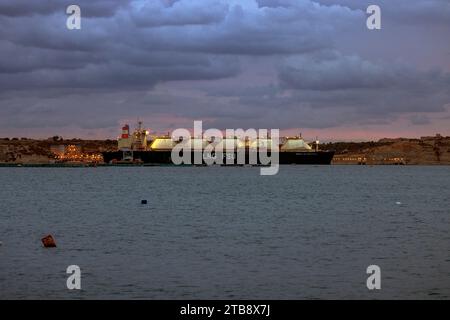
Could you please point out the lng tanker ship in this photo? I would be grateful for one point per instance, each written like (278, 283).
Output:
(139, 147)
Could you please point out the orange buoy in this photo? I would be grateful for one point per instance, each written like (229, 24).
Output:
(48, 241)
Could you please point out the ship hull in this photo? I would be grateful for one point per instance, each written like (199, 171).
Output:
(164, 157)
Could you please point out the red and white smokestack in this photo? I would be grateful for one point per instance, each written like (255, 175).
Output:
(125, 131)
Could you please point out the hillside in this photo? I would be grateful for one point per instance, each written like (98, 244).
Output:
(424, 151)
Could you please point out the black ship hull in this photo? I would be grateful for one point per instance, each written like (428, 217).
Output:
(164, 157)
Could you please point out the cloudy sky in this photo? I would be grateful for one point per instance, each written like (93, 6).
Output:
(298, 65)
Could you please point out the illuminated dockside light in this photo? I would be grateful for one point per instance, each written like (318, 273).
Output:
(74, 153)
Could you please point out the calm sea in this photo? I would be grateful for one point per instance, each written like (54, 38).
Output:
(309, 232)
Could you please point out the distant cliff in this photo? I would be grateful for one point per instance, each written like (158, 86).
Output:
(25, 150)
(433, 150)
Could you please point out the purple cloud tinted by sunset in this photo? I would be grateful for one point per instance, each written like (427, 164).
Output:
(290, 64)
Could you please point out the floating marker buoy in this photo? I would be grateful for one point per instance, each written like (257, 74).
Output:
(143, 201)
(48, 241)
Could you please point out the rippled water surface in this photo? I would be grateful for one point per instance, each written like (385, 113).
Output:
(308, 232)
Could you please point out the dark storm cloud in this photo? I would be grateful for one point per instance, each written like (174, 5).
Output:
(154, 14)
(114, 66)
(192, 26)
(118, 75)
(151, 42)
(352, 72)
(401, 11)
(350, 81)
(97, 8)
(341, 89)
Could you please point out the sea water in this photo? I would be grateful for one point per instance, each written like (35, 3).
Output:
(309, 232)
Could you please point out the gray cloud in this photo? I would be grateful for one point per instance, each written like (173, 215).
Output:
(403, 11)
(178, 13)
(188, 59)
(419, 119)
(350, 81)
(155, 42)
(97, 8)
